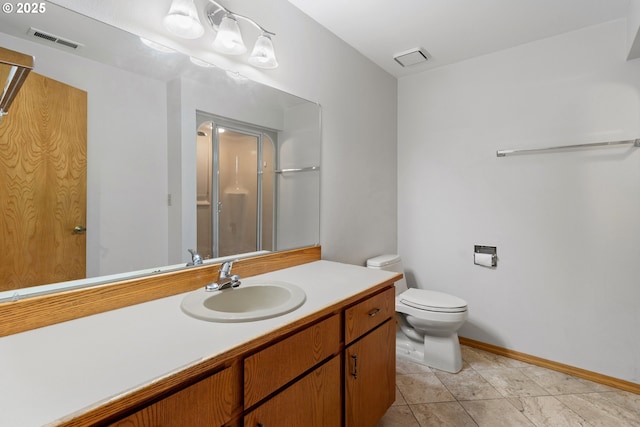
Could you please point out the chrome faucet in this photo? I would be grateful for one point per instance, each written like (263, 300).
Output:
(196, 259)
(225, 279)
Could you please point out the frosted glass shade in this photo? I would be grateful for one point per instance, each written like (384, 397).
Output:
(229, 40)
(263, 55)
(182, 20)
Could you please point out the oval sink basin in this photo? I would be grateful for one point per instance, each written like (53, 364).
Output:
(253, 300)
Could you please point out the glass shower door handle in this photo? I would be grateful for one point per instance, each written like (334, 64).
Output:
(219, 207)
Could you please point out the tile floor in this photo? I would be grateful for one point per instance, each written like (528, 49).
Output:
(495, 391)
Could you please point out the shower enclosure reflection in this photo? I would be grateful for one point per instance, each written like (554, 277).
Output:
(235, 182)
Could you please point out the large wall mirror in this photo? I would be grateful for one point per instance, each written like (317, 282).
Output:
(145, 132)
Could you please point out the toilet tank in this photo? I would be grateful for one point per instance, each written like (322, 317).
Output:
(390, 262)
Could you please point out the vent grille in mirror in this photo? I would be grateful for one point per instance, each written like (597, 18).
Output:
(53, 38)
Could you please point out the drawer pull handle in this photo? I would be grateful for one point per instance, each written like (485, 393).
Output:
(354, 371)
(374, 312)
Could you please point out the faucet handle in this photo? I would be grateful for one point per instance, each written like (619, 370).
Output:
(225, 268)
(196, 259)
(235, 281)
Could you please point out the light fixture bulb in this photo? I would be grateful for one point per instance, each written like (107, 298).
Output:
(229, 40)
(182, 20)
(263, 55)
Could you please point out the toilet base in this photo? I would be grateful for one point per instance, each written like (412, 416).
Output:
(441, 353)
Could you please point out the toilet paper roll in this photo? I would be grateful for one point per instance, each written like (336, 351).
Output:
(483, 259)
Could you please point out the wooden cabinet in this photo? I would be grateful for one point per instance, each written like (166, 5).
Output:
(370, 368)
(334, 370)
(280, 363)
(312, 401)
(370, 376)
(213, 401)
(366, 315)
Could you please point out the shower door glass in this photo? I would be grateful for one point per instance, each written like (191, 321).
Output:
(236, 206)
(237, 192)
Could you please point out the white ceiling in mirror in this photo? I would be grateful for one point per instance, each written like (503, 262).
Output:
(146, 17)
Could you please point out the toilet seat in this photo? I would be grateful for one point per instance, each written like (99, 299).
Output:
(432, 301)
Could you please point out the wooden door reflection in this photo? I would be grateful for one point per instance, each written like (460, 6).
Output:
(43, 167)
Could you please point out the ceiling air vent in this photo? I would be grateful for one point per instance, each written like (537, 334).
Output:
(43, 35)
(412, 57)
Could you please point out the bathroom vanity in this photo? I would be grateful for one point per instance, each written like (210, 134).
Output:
(330, 362)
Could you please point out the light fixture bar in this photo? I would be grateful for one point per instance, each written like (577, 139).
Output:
(246, 18)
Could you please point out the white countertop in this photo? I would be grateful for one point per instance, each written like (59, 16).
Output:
(50, 373)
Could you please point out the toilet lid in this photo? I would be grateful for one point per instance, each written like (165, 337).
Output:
(433, 301)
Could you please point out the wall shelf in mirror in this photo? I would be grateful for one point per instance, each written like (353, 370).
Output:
(306, 169)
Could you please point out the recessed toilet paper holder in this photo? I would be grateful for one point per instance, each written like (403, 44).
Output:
(486, 256)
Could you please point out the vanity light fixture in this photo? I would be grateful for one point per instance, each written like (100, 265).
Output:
(182, 21)
(263, 55)
(229, 39)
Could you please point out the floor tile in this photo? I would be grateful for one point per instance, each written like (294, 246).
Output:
(479, 359)
(599, 410)
(423, 388)
(511, 382)
(496, 391)
(547, 411)
(398, 416)
(558, 383)
(406, 366)
(495, 413)
(443, 414)
(468, 385)
(624, 399)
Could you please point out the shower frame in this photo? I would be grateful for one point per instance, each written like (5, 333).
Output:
(217, 123)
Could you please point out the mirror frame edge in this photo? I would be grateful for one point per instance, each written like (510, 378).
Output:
(32, 313)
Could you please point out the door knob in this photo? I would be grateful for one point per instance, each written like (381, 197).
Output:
(79, 229)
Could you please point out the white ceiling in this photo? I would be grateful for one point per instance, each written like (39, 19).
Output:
(452, 30)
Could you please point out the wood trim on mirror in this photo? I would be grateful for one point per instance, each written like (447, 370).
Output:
(36, 312)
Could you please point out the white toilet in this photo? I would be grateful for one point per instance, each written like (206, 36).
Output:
(428, 321)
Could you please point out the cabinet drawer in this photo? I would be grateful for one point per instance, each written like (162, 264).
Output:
(271, 368)
(368, 314)
(313, 401)
(210, 402)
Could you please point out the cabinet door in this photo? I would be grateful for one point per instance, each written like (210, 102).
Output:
(370, 376)
(208, 403)
(313, 401)
(288, 359)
